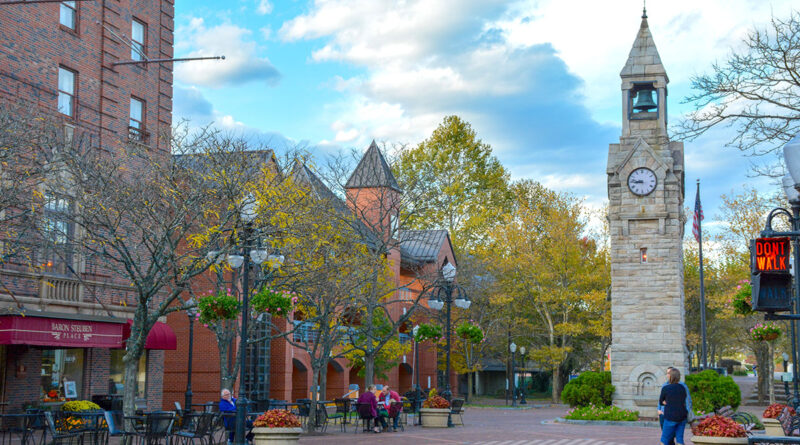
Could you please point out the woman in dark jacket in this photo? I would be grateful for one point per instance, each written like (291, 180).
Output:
(368, 407)
(672, 404)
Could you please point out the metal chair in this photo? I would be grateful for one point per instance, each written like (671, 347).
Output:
(116, 423)
(197, 427)
(396, 410)
(342, 413)
(365, 415)
(16, 429)
(455, 409)
(158, 428)
(61, 433)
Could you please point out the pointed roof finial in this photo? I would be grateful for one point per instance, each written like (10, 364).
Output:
(644, 9)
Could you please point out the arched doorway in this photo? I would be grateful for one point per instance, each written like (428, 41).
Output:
(299, 380)
(405, 378)
(335, 385)
(354, 378)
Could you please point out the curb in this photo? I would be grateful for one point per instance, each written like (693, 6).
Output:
(637, 424)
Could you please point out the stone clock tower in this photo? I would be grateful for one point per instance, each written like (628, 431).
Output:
(645, 194)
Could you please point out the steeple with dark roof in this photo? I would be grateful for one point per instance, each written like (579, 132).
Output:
(372, 171)
(643, 58)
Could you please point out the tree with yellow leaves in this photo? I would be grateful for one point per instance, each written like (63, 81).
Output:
(556, 275)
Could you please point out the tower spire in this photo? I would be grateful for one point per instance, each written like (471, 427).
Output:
(644, 9)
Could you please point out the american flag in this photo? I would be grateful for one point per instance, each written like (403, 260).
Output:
(698, 215)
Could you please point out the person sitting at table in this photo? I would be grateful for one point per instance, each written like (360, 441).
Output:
(393, 404)
(368, 408)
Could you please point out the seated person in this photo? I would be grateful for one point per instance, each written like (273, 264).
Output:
(227, 404)
(393, 403)
(368, 408)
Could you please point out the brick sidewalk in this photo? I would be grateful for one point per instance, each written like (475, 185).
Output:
(497, 426)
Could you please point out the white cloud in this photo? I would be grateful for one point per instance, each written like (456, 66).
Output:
(242, 63)
(264, 7)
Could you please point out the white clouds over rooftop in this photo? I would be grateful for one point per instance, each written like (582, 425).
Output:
(243, 60)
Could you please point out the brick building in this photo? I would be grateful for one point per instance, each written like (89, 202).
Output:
(415, 254)
(57, 332)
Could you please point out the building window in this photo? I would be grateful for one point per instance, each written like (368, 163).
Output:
(116, 373)
(137, 40)
(68, 14)
(66, 91)
(406, 294)
(60, 366)
(136, 125)
(58, 228)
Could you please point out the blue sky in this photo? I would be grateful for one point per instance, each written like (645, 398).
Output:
(538, 80)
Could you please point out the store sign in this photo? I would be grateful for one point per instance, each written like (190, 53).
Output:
(771, 255)
(20, 330)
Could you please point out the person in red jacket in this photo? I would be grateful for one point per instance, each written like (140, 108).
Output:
(393, 404)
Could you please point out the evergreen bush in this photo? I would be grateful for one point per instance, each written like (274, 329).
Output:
(710, 391)
(590, 388)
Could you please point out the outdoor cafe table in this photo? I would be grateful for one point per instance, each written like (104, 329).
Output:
(17, 428)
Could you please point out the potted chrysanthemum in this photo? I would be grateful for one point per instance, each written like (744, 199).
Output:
(718, 430)
(276, 427)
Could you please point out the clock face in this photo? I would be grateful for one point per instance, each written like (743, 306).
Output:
(642, 181)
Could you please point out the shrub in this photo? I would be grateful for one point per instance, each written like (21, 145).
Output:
(80, 405)
(710, 391)
(774, 410)
(590, 388)
(718, 426)
(277, 418)
(740, 372)
(593, 412)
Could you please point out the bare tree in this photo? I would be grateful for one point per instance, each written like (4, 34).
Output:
(756, 92)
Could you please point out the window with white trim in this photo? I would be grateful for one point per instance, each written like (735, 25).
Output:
(136, 125)
(138, 32)
(66, 91)
(68, 14)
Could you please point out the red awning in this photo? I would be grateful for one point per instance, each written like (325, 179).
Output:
(43, 331)
(160, 337)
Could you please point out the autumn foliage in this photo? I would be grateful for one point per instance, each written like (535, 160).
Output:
(718, 426)
(277, 418)
(774, 410)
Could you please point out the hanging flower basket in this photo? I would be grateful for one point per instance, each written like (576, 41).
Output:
(470, 331)
(279, 303)
(765, 331)
(741, 301)
(428, 332)
(217, 307)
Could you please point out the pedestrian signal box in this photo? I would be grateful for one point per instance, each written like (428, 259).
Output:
(770, 281)
(771, 255)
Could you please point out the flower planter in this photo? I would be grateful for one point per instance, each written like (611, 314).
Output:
(276, 436)
(698, 440)
(772, 426)
(434, 417)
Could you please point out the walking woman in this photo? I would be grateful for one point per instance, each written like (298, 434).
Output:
(672, 404)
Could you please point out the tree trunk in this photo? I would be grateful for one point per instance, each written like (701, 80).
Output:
(469, 386)
(369, 369)
(312, 413)
(556, 385)
(323, 382)
(771, 373)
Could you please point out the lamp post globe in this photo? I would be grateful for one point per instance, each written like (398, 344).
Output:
(791, 156)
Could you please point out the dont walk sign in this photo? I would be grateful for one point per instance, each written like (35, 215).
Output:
(770, 280)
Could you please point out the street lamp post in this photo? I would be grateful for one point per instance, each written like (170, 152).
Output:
(513, 348)
(522, 391)
(417, 395)
(248, 214)
(444, 297)
(791, 185)
(191, 312)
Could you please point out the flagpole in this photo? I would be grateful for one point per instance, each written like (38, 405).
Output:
(698, 220)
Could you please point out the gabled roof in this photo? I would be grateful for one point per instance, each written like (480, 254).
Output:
(372, 171)
(643, 58)
(421, 246)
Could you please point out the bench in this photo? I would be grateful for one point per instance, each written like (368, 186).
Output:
(789, 423)
(727, 411)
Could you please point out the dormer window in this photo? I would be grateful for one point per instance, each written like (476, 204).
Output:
(643, 101)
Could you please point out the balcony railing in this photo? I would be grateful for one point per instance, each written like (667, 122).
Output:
(60, 289)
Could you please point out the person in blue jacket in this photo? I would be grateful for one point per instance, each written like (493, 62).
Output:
(227, 404)
(674, 407)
